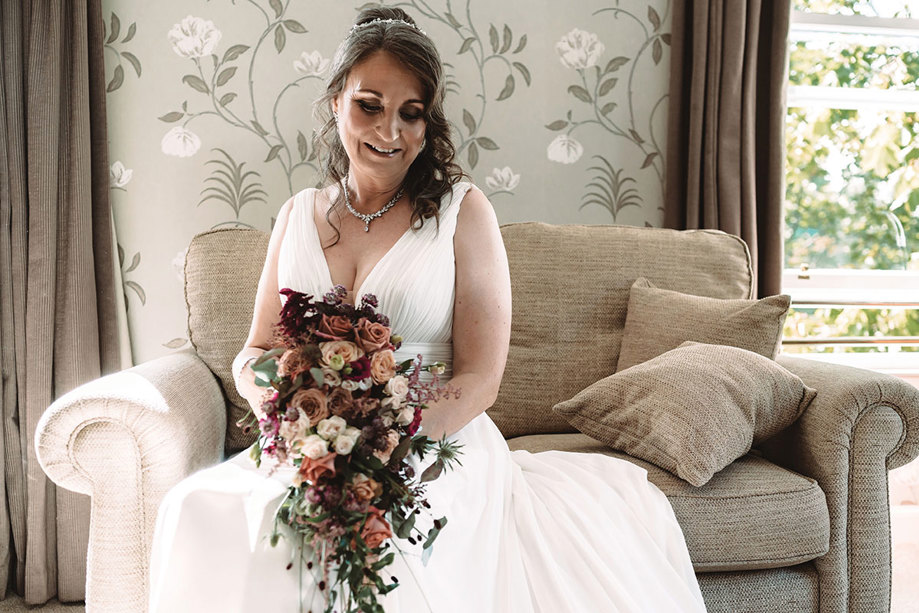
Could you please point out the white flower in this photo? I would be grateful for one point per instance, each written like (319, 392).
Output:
(178, 264)
(331, 427)
(343, 444)
(194, 37)
(311, 64)
(180, 142)
(397, 387)
(405, 416)
(365, 384)
(579, 49)
(313, 446)
(565, 149)
(331, 377)
(350, 385)
(502, 179)
(120, 175)
(291, 430)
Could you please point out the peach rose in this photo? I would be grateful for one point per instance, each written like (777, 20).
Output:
(293, 362)
(313, 404)
(365, 488)
(376, 529)
(370, 336)
(383, 366)
(334, 327)
(348, 351)
(311, 470)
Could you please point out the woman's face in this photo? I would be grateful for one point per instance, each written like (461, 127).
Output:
(381, 118)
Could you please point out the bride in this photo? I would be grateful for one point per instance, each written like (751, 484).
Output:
(546, 532)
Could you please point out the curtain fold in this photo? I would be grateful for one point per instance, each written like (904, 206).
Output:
(726, 145)
(58, 318)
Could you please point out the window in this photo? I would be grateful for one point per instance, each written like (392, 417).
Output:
(852, 181)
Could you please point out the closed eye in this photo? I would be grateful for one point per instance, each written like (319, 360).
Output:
(372, 108)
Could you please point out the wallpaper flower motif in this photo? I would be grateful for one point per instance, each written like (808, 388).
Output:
(551, 111)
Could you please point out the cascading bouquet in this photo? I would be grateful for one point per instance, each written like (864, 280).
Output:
(346, 415)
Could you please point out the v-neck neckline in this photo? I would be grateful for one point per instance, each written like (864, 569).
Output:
(355, 293)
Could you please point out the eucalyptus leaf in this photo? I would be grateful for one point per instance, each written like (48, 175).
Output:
(318, 377)
(433, 471)
(405, 528)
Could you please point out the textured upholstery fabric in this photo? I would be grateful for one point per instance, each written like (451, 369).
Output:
(692, 410)
(658, 320)
(571, 289)
(780, 590)
(162, 420)
(860, 425)
(221, 275)
(751, 515)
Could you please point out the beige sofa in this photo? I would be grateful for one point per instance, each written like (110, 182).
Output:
(801, 524)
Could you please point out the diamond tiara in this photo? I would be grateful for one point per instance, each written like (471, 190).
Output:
(359, 26)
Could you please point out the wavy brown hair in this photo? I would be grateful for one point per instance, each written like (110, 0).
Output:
(433, 173)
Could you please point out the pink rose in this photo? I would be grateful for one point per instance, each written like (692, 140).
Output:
(312, 470)
(370, 336)
(293, 362)
(348, 351)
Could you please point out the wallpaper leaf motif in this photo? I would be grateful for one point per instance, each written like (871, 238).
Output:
(129, 284)
(110, 34)
(230, 184)
(473, 46)
(582, 51)
(196, 39)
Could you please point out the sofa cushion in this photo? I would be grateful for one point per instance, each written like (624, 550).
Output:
(658, 320)
(751, 515)
(221, 275)
(692, 410)
(571, 289)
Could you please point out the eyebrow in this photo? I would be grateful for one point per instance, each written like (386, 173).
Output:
(379, 95)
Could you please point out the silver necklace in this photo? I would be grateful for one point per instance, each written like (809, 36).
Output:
(368, 218)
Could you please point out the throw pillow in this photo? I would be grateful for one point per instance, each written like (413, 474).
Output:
(658, 320)
(691, 411)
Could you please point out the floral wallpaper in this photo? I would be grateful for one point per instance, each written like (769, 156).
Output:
(559, 116)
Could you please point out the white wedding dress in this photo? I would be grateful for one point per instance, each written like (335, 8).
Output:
(549, 532)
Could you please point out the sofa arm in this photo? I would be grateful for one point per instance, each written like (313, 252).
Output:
(860, 425)
(125, 440)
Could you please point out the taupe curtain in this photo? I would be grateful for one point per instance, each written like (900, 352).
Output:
(57, 306)
(725, 151)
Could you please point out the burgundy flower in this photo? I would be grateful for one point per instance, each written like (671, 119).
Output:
(296, 313)
(360, 369)
(416, 423)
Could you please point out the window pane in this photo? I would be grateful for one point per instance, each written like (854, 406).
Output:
(852, 189)
(835, 323)
(866, 63)
(869, 8)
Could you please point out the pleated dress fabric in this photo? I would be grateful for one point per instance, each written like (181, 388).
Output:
(548, 532)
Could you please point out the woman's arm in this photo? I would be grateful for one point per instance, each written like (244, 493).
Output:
(481, 318)
(265, 316)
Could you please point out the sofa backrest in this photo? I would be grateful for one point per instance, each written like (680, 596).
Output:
(570, 292)
(570, 289)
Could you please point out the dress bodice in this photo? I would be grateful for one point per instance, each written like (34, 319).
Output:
(413, 282)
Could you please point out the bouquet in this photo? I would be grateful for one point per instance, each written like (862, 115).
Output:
(341, 411)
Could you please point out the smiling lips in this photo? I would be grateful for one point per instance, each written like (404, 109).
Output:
(382, 151)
